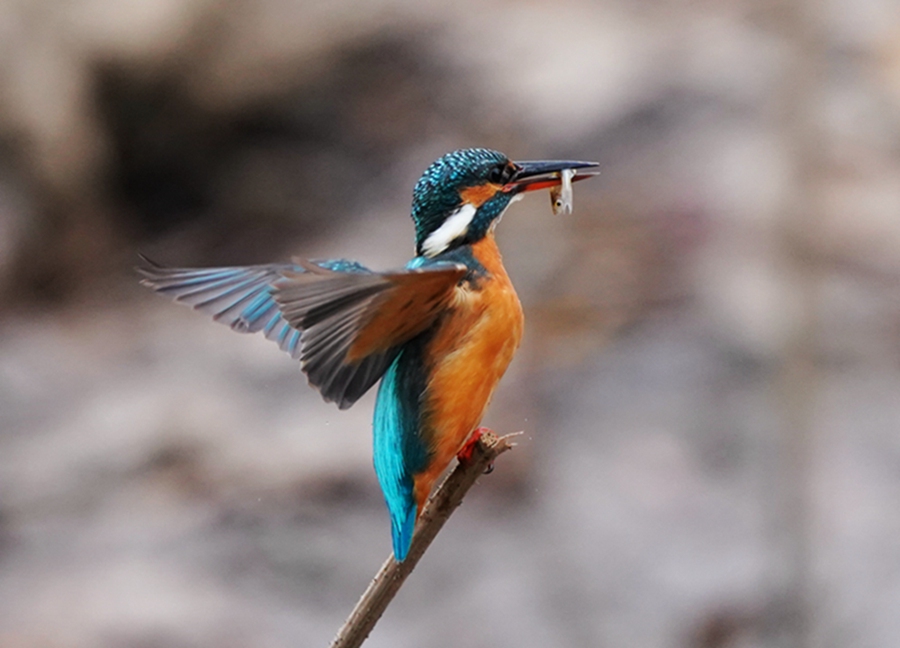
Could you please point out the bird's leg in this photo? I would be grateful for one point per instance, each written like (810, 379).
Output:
(465, 455)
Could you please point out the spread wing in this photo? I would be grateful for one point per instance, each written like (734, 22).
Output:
(239, 297)
(344, 322)
(354, 324)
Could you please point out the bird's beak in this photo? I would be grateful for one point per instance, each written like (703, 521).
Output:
(542, 174)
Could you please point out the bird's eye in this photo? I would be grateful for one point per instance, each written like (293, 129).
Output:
(498, 175)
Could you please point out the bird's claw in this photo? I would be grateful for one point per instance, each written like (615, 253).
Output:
(464, 456)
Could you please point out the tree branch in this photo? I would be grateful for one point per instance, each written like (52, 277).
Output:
(440, 507)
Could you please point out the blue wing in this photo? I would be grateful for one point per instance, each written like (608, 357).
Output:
(345, 323)
(240, 296)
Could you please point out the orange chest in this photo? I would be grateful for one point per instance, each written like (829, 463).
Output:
(473, 346)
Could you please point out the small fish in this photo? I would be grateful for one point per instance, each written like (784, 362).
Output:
(561, 196)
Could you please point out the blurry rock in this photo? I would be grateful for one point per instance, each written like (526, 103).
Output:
(146, 122)
(13, 222)
(624, 261)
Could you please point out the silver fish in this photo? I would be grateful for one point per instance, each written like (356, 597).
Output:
(561, 195)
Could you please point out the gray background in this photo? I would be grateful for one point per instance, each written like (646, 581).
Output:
(709, 380)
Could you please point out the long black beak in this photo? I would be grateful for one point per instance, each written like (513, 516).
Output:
(541, 174)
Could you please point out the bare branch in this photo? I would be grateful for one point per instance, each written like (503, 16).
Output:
(440, 507)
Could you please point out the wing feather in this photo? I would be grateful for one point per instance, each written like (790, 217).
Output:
(239, 297)
(344, 323)
(354, 325)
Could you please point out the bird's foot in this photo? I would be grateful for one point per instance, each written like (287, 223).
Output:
(464, 456)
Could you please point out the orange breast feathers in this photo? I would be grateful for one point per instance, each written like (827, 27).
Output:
(471, 351)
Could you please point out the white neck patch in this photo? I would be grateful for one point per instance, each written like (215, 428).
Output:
(456, 225)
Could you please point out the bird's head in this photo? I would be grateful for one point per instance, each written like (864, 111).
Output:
(463, 194)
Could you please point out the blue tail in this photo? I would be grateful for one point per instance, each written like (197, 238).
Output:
(399, 452)
(402, 531)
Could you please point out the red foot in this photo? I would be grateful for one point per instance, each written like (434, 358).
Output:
(465, 455)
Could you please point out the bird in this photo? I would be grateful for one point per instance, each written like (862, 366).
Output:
(438, 333)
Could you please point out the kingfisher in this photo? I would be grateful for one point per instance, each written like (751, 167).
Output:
(439, 333)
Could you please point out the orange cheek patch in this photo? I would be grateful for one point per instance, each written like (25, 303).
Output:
(479, 194)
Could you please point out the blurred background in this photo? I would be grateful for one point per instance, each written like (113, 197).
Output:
(709, 386)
